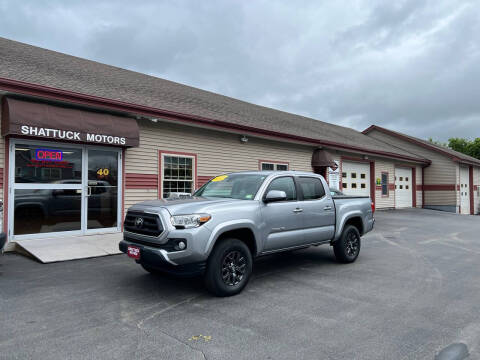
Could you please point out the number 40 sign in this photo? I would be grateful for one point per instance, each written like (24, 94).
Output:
(102, 172)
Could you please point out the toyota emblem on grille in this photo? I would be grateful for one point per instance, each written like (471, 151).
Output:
(139, 222)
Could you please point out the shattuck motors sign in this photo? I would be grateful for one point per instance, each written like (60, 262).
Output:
(72, 135)
(29, 119)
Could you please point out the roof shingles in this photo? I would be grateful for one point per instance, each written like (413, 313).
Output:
(39, 66)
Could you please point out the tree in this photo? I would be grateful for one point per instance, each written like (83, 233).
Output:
(465, 146)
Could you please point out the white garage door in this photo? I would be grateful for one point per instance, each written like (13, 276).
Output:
(356, 178)
(464, 191)
(403, 188)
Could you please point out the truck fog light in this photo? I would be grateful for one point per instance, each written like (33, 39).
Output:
(181, 245)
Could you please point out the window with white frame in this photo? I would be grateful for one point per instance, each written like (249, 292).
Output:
(178, 174)
(266, 166)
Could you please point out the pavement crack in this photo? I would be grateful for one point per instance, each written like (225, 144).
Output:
(170, 307)
(164, 310)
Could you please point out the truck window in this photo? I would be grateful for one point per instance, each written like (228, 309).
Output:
(284, 184)
(312, 188)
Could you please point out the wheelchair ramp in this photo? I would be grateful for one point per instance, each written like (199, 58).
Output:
(66, 248)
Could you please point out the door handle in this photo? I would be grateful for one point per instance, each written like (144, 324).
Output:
(327, 208)
(297, 210)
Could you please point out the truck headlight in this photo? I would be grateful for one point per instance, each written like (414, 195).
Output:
(189, 221)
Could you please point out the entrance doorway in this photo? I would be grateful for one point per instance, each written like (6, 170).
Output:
(59, 189)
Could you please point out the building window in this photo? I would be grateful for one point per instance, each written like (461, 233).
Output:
(354, 175)
(178, 174)
(384, 184)
(344, 185)
(362, 176)
(272, 166)
(344, 174)
(354, 185)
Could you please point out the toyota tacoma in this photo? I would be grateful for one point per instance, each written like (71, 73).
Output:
(236, 217)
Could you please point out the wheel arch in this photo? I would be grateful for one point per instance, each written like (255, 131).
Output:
(243, 231)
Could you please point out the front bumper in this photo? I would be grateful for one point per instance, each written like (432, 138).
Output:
(161, 260)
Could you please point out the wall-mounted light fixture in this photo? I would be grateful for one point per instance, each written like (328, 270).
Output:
(244, 139)
(365, 157)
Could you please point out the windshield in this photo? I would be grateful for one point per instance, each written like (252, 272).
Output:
(234, 186)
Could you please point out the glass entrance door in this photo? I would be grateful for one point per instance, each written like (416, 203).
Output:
(61, 189)
(102, 203)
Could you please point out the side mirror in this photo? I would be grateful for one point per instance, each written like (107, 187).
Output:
(275, 195)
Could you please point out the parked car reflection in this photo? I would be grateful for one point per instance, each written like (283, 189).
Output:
(49, 210)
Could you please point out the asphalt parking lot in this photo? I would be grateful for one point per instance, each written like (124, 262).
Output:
(414, 290)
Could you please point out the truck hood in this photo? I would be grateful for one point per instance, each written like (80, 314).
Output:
(195, 204)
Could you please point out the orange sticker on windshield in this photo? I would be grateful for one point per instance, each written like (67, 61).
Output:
(220, 178)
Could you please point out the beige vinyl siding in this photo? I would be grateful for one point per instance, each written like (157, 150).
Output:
(442, 171)
(382, 201)
(133, 196)
(217, 152)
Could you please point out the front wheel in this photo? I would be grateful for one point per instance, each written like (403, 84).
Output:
(229, 268)
(347, 248)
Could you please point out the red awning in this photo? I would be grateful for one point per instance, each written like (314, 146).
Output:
(322, 158)
(40, 120)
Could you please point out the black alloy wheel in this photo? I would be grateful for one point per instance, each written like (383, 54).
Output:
(352, 243)
(347, 248)
(233, 268)
(229, 267)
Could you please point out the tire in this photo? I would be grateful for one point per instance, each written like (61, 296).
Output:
(229, 268)
(347, 248)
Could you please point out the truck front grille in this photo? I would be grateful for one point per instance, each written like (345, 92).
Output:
(143, 223)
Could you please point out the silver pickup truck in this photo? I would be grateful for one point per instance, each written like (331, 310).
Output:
(236, 217)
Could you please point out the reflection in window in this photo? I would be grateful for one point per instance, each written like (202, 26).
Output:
(46, 165)
(384, 184)
(266, 166)
(178, 172)
(312, 188)
(284, 184)
(47, 210)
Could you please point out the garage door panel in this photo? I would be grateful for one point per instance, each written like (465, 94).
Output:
(356, 178)
(403, 188)
(464, 190)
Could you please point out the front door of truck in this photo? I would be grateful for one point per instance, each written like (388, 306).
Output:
(282, 220)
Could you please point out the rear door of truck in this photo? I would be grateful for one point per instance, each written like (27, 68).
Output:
(318, 209)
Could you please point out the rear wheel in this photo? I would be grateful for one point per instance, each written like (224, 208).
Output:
(347, 248)
(229, 268)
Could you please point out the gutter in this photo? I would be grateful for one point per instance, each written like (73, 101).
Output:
(25, 88)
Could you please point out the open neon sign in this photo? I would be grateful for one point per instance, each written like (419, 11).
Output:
(48, 155)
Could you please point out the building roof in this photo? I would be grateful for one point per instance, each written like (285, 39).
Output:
(454, 155)
(22, 66)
